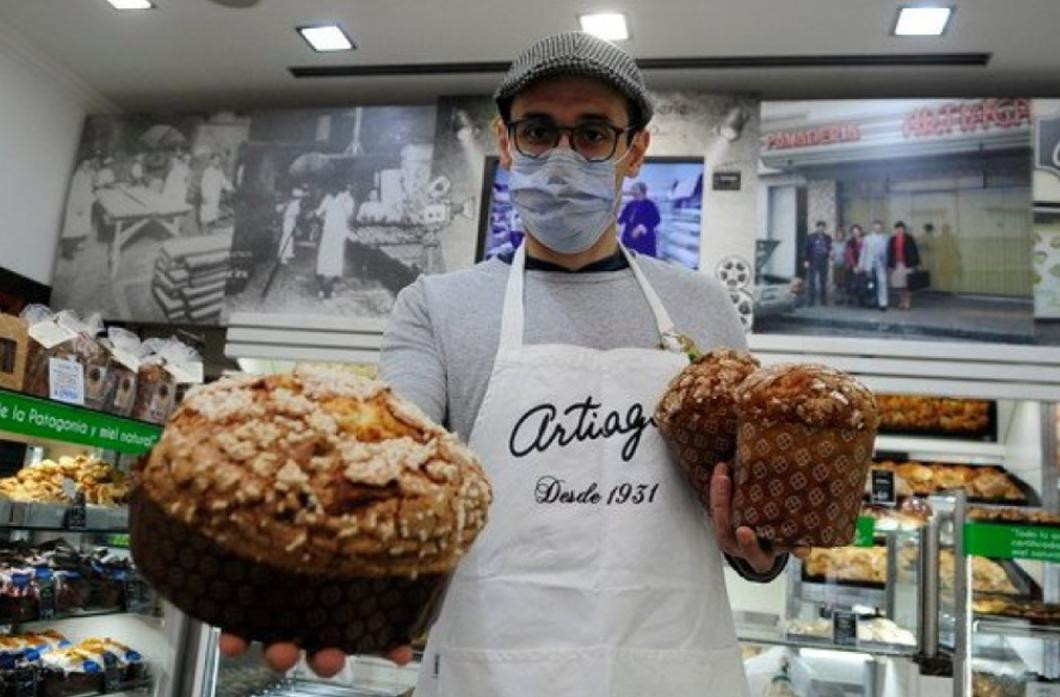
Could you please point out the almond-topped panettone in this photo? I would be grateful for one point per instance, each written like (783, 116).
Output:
(804, 449)
(697, 414)
(316, 507)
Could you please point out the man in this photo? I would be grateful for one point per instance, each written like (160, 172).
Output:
(554, 599)
(175, 188)
(214, 183)
(638, 220)
(818, 258)
(873, 262)
(903, 258)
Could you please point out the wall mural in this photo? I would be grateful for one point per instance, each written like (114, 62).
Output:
(330, 213)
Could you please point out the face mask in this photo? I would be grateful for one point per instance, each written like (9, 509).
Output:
(566, 201)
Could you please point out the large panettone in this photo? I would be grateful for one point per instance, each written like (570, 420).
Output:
(315, 507)
(697, 414)
(804, 449)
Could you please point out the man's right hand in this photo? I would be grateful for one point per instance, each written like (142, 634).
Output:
(282, 657)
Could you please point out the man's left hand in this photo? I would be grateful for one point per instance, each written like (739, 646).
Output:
(742, 542)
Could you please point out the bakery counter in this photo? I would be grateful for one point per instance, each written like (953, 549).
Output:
(877, 636)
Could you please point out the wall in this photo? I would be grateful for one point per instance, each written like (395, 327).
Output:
(40, 124)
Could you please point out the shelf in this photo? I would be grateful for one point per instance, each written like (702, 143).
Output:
(1015, 627)
(61, 616)
(941, 448)
(61, 517)
(39, 418)
(774, 636)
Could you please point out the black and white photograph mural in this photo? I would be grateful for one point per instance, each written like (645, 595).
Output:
(148, 219)
(333, 211)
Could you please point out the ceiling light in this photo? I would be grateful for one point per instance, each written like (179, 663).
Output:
(327, 37)
(922, 21)
(608, 26)
(131, 4)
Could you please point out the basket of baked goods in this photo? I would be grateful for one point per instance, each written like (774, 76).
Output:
(43, 494)
(315, 507)
(981, 483)
(802, 436)
(938, 417)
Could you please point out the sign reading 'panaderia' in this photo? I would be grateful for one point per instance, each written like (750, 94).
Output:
(1012, 541)
(41, 418)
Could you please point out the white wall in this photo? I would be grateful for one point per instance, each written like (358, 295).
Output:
(42, 106)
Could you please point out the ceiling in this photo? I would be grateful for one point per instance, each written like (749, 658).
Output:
(193, 54)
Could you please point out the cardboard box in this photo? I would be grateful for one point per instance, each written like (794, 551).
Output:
(14, 344)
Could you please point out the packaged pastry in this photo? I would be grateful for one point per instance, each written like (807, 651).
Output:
(13, 347)
(697, 414)
(124, 352)
(314, 507)
(805, 442)
(163, 377)
(64, 340)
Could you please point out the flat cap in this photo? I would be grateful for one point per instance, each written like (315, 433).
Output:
(576, 53)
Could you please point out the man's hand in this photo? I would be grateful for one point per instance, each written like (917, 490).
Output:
(325, 663)
(743, 543)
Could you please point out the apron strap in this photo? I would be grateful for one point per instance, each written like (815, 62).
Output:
(513, 318)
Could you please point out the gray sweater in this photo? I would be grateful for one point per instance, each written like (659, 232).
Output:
(440, 343)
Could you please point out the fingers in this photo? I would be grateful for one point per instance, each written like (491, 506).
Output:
(721, 508)
(401, 655)
(327, 662)
(801, 552)
(281, 657)
(760, 560)
(231, 645)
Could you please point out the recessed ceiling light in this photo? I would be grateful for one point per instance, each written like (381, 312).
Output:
(610, 26)
(922, 21)
(326, 37)
(131, 4)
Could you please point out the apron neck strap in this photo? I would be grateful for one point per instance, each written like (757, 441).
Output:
(513, 318)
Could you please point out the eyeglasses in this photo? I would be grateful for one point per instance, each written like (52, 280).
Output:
(596, 141)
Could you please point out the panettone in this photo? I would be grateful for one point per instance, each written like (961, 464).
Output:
(315, 507)
(806, 435)
(697, 414)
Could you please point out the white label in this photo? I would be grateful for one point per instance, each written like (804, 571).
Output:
(185, 373)
(66, 381)
(126, 358)
(1042, 689)
(69, 488)
(49, 334)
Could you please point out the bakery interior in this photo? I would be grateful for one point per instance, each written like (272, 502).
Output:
(167, 165)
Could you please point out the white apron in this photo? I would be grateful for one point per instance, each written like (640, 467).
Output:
(598, 574)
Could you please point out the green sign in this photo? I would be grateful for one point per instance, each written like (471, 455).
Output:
(1012, 541)
(41, 418)
(865, 534)
(120, 540)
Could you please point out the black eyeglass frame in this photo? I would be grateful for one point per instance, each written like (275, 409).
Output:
(569, 130)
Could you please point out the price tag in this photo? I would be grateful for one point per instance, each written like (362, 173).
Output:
(77, 513)
(66, 381)
(46, 597)
(844, 628)
(25, 682)
(111, 673)
(883, 489)
(1043, 689)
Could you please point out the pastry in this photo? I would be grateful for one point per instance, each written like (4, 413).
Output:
(805, 442)
(314, 507)
(697, 415)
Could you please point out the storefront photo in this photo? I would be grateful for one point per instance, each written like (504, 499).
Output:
(477, 349)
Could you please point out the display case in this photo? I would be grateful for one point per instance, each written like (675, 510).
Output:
(75, 618)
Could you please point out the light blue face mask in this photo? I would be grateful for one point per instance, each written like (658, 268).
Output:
(566, 202)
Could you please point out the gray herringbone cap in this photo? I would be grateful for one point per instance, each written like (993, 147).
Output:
(576, 53)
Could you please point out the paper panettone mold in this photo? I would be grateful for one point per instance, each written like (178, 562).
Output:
(806, 435)
(315, 507)
(697, 414)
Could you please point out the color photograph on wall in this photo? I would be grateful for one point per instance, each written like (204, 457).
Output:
(148, 221)
(898, 219)
(332, 211)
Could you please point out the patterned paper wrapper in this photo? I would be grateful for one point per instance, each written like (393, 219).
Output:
(800, 486)
(264, 603)
(698, 448)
